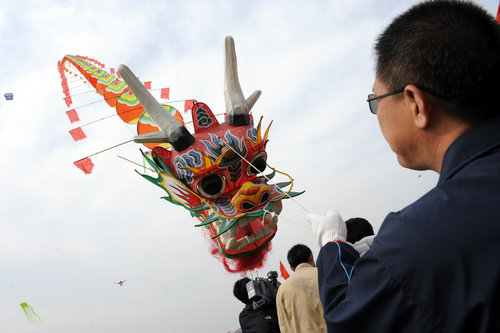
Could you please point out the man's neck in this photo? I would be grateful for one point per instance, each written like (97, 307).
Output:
(450, 131)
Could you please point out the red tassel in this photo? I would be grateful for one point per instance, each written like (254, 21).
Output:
(85, 164)
(72, 115)
(188, 105)
(77, 134)
(118, 74)
(112, 70)
(165, 93)
(147, 84)
(283, 271)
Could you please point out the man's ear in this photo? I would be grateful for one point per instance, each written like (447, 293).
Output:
(311, 260)
(420, 105)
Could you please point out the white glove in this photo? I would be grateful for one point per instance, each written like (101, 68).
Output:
(327, 228)
(364, 244)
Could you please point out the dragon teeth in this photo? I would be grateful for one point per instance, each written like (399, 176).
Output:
(267, 230)
(269, 221)
(274, 221)
(225, 237)
(250, 239)
(234, 230)
(231, 243)
(217, 225)
(243, 222)
(259, 234)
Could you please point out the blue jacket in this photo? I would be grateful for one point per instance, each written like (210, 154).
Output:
(435, 265)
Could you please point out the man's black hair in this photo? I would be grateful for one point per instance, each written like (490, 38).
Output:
(358, 228)
(450, 47)
(240, 290)
(298, 254)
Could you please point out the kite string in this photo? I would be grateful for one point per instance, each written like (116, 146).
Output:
(265, 211)
(105, 99)
(145, 167)
(223, 143)
(94, 90)
(102, 151)
(243, 158)
(281, 217)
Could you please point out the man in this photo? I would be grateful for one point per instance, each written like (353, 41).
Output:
(433, 266)
(357, 229)
(297, 300)
(359, 234)
(258, 316)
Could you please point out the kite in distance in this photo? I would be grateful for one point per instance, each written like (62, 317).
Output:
(31, 315)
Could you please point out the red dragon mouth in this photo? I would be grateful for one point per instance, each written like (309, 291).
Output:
(249, 234)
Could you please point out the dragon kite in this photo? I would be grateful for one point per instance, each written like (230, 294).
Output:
(216, 172)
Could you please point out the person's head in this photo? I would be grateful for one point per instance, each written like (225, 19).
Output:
(358, 228)
(443, 57)
(299, 254)
(240, 290)
(452, 49)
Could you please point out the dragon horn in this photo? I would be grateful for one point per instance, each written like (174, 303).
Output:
(171, 130)
(237, 108)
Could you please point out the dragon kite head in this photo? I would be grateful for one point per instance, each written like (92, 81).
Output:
(217, 172)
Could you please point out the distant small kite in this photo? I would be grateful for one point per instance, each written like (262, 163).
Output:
(9, 96)
(120, 283)
(31, 315)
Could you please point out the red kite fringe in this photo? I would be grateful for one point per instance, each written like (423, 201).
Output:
(85, 164)
(77, 134)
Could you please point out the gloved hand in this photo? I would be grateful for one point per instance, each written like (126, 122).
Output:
(327, 228)
(364, 244)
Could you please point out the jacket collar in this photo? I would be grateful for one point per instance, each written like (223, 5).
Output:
(302, 265)
(474, 142)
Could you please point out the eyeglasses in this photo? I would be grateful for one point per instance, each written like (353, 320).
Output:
(373, 100)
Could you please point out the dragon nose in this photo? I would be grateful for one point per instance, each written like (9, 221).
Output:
(250, 195)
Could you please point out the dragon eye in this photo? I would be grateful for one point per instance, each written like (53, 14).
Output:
(212, 186)
(257, 165)
(157, 161)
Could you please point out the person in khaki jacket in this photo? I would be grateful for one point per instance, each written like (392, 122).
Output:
(297, 301)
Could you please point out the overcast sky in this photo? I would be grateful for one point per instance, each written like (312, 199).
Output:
(66, 237)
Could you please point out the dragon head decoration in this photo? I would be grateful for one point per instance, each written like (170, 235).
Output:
(217, 172)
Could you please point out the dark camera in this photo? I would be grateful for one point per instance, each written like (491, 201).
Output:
(258, 290)
(272, 276)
